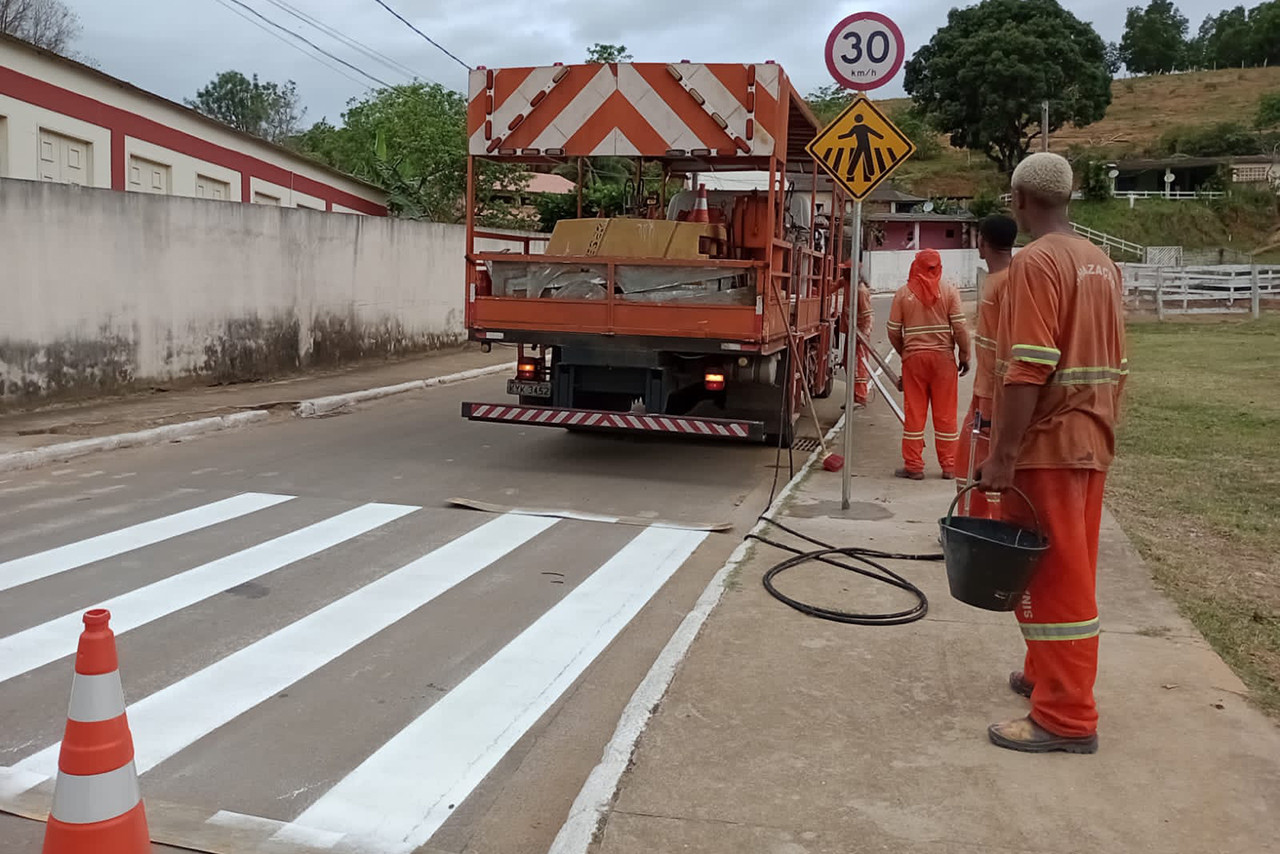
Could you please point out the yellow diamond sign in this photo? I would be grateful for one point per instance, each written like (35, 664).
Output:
(860, 148)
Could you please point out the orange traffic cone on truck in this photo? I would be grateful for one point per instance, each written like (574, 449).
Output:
(701, 213)
(97, 806)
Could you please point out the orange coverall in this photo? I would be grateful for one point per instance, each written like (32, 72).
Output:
(1062, 328)
(927, 336)
(862, 371)
(984, 380)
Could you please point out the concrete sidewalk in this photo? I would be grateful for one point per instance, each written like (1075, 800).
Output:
(36, 428)
(785, 734)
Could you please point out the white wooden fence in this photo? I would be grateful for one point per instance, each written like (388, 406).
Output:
(1218, 289)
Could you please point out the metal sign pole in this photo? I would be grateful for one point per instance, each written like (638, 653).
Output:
(851, 361)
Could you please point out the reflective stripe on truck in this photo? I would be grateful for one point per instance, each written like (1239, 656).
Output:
(586, 419)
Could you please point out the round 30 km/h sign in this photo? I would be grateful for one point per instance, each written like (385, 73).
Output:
(865, 51)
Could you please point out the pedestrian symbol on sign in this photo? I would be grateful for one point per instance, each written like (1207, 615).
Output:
(860, 148)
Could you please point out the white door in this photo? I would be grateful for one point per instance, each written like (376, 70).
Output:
(212, 188)
(65, 159)
(148, 176)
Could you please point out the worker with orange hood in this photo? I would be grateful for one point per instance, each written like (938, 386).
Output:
(926, 327)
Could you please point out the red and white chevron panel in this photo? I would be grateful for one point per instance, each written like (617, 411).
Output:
(544, 416)
(627, 109)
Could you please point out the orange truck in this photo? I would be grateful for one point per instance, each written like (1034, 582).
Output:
(701, 313)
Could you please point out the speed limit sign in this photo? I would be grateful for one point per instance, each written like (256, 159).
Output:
(864, 51)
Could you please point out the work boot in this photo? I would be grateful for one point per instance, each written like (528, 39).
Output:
(1018, 684)
(1026, 736)
(948, 474)
(909, 474)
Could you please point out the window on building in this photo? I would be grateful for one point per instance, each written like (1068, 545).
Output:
(212, 188)
(65, 159)
(1251, 174)
(310, 205)
(951, 233)
(149, 176)
(260, 198)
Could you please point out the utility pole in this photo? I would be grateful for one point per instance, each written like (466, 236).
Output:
(1044, 125)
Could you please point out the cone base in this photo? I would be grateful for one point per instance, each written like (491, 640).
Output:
(124, 834)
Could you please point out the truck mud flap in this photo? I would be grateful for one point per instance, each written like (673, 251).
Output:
(586, 419)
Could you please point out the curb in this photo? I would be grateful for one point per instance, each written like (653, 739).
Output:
(20, 460)
(596, 796)
(325, 405)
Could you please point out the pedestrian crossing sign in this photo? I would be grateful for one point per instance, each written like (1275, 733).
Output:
(860, 148)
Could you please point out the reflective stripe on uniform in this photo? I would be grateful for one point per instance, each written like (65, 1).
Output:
(1087, 375)
(946, 437)
(1035, 354)
(96, 698)
(985, 343)
(927, 330)
(907, 435)
(94, 798)
(1082, 630)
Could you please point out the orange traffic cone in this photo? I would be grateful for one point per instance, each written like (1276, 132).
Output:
(700, 211)
(97, 806)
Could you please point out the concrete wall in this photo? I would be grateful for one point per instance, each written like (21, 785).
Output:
(888, 271)
(100, 290)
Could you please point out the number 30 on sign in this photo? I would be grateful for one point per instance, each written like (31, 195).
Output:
(865, 51)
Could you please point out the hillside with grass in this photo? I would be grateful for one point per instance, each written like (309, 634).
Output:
(1145, 113)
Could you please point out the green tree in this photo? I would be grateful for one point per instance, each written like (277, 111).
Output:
(601, 53)
(412, 141)
(1155, 38)
(268, 110)
(983, 76)
(1264, 33)
(1268, 111)
(829, 101)
(1114, 62)
(1223, 40)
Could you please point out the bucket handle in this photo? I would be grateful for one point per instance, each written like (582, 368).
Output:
(1035, 513)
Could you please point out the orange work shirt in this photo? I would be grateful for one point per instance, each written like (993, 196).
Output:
(1062, 328)
(865, 313)
(984, 339)
(915, 327)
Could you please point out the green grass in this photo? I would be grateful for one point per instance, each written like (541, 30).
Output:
(1197, 481)
(1241, 222)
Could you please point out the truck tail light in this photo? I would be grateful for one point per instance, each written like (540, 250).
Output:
(713, 381)
(527, 370)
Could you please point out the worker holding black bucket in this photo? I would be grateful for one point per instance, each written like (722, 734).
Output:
(1060, 372)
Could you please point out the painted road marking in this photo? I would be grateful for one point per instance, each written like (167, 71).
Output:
(400, 796)
(24, 570)
(47, 642)
(186, 711)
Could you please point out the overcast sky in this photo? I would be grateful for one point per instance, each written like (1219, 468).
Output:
(173, 47)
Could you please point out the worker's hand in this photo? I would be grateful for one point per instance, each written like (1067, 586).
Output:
(899, 383)
(964, 368)
(996, 474)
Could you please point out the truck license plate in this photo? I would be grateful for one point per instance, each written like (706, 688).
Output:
(528, 389)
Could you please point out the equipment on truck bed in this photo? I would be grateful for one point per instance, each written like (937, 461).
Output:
(706, 312)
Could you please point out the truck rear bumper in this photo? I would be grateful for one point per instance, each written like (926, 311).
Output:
(586, 419)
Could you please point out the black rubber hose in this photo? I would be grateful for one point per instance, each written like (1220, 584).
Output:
(826, 553)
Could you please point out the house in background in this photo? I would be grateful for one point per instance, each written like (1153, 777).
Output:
(1147, 176)
(66, 122)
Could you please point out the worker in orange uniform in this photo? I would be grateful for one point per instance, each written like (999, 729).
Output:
(996, 236)
(926, 326)
(1060, 372)
(865, 318)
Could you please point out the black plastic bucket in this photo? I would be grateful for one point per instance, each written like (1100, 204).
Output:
(990, 563)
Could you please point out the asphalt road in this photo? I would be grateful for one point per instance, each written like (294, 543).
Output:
(320, 654)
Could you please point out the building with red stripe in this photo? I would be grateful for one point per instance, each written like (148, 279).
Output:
(63, 121)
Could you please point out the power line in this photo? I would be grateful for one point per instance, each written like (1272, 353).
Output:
(299, 48)
(355, 44)
(312, 44)
(406, 22)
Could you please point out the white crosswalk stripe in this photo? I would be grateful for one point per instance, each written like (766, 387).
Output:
(49, 641)
(403, 786)
(24, 570)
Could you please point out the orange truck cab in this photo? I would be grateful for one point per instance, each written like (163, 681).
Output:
(699, 312)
